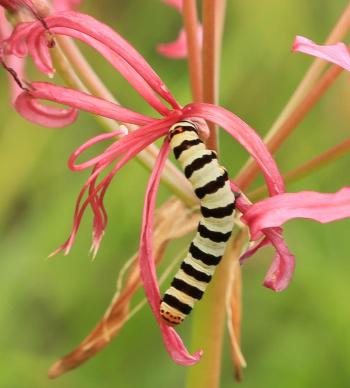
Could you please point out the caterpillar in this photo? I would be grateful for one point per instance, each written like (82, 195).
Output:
(211, 185)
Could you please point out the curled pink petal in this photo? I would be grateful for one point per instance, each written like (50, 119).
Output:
(88, 26)
(281, 271)
(74, 99)
(253, 249)
(47, 116)
(335, 53)
(172, 341)
(245, 135)
(127, 71)
(176, 49)
(277, 210)
(125, 148)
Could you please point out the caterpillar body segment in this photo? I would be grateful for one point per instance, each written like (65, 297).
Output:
(211, 185)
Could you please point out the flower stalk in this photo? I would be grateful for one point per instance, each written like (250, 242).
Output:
(209, 320)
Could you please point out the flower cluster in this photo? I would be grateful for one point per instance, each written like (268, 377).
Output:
(264, 219)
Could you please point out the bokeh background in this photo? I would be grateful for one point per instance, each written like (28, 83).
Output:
(299, 338)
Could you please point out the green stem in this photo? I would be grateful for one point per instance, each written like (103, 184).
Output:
(209, 321)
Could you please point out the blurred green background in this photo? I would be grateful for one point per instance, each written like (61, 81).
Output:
(299, 338)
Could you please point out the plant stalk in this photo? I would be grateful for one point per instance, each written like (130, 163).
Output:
(209, 320)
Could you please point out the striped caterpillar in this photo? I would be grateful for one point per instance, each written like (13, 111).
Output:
(211, 185)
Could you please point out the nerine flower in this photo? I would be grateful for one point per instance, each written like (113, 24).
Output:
(16, 64)
(29, 39)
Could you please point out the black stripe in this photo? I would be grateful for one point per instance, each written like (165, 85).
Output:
(206, 258)
(185, 145)
(199, 163)
(184, 127)
(194, 273)
(218, 212)
(175, 303)
(213, 235)
(186, 288)
(213, 186)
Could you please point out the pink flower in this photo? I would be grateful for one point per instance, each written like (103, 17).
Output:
(15, 64)
(336, 53)
(29, 39)
(178, 48)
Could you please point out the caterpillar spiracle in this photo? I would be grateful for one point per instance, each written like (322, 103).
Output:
(211, 185)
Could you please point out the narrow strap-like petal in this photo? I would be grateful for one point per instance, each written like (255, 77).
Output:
(41, 55)
(335, 53)
(126, 149)
(172, 341)
(275, 211)
(29, 108)
(246, 136)
(87, 25)
(47, 116)
(282, 268)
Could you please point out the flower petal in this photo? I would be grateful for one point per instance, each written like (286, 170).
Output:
(335, 53)
(281, 271)
(85, 25)
(126, 148)
(47, 116)
(245, 135)
(277, 210)
(122, 66)
(29, 108)
(176, 49)
(172, 341)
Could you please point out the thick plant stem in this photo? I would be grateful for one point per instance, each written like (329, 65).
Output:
(208, 323)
